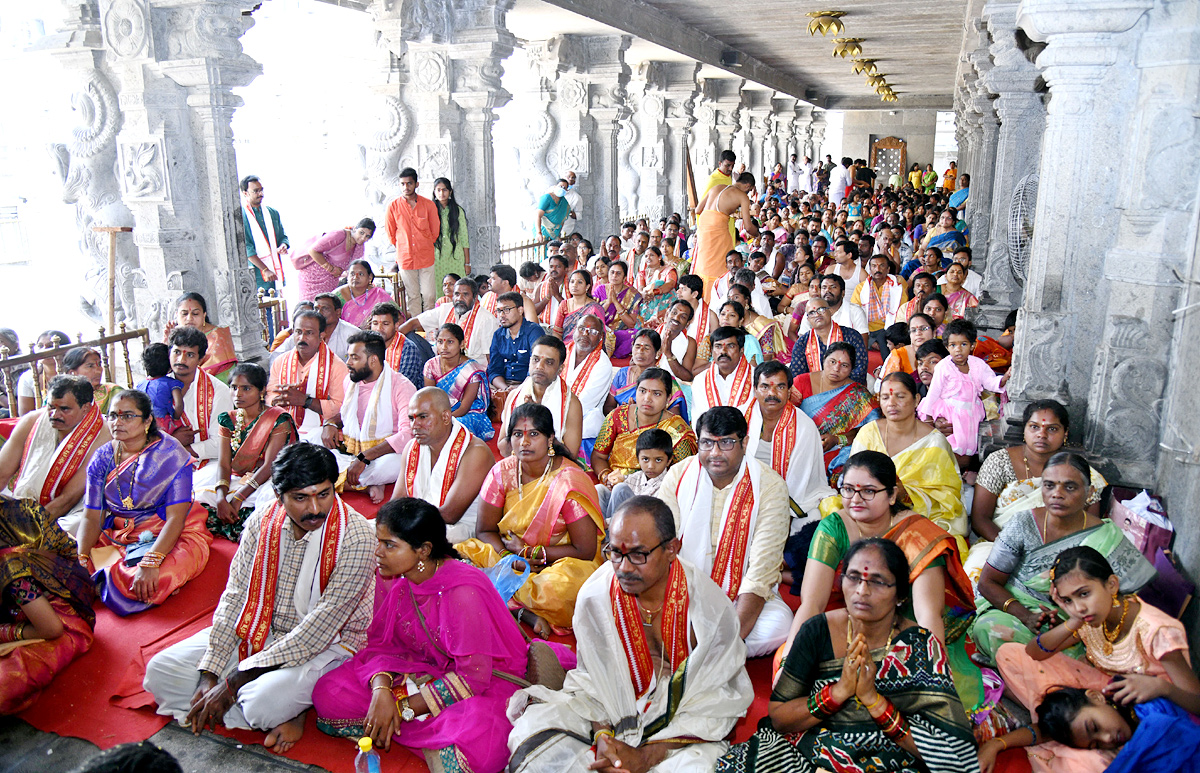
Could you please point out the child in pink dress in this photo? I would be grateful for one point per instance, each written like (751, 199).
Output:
(954, 393)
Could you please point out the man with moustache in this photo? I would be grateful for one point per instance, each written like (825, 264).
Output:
(638, 619)
(477, 325)
(444, 464)
(297, 604)
(589, 374)
(732, 512)
(546, 386)
(883, 296)
(833, 290)
(307, 381)
(809, 352)
(678, 355)
(204, 397)
(729, 380)
(504, 280)
(49, 450)
(786, 440)
(551, 291)
(372, 427)
(337, 331)
(266, 245)
(404, 355)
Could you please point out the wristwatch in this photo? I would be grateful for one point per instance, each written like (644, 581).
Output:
(307, 402)
(360, 456)
(406, 712)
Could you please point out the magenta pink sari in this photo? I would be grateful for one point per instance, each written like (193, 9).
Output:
(472, 625)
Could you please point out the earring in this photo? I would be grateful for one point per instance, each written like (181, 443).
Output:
(420, 565)
(551, 450)
(1116, 600)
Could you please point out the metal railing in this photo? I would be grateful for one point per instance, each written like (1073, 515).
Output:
(516, 253)
(101, 344)
(398, 293)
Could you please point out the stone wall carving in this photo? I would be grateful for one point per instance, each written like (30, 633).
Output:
(127, 28)
(433, 160)
(432, 72)
(143, 166)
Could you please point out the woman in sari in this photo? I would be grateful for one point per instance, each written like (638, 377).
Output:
(863, 688)
(85, 361)
(944, 235)
(903, 359)
(453, 245)
(46, 616)
(141, 532)
(360, 294)
(326, 257)
(621, 306)
(957, 297)
(647, 348)
(1010, 479)
(929, 179)
(574, 308)
(764, 329)
(658, 285)
(540, 505)
(438, 637)
(929, 479)
(942, 598)
(192, 309)
(251, 437)
(838, 405)
(462, 379)
(1014, 601)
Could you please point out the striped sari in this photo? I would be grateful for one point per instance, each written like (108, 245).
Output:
(455, 383)
(836, 412)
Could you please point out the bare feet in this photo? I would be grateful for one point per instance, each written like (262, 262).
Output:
(285, 736)
(541, 629)
(375, 493)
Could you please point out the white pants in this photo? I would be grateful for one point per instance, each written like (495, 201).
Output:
(380, 472)
(72, 522)
(465, 528)
(418, 289)
(771, 629)
(264, 704)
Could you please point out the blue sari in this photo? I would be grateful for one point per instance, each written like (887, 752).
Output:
(623, 391)
(455, 383)
(948, 241)
(1167, 740)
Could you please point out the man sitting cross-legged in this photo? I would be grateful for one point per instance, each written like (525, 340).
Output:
(372, 427)
(661, 678)
(734, 517)
(297, 604)
(546, 386)
(443, 464)
(49, 450)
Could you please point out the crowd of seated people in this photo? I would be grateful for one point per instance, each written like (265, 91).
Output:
(687, 448)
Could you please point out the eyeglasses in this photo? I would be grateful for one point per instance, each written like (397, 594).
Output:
(867, 494)
(588, 330)
(874, 583)
(635, 557)
(504, 309)
(127, 416)
(817, 311)
(725, 443)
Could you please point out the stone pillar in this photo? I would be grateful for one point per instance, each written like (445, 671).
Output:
(174, 65)
(1087, 64)
(728, 104)
(705, 139)
(818, 136)
(1018, 151)
(757, 132)
(607, 78)
(983, 165)
(802, 132)
(649, 156)
(783, 116)
(683, 89)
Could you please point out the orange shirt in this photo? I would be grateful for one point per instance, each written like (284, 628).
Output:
(414, 230)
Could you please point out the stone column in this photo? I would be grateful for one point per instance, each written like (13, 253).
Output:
(783, 116)
(607, 102)
(1018, 150)
(983, 164)
(705, 139)
(1087, 66)
(757, 132)
(683, 89)
(176, 64)
(649, 157)
(728, 104)
(802, 132)
(818, 136)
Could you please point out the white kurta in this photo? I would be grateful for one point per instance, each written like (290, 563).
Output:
(592, 393)
(222, 403)
(804, 466)
(430, 482)
(479, 344)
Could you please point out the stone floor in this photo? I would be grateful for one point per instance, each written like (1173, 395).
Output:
(26, 750)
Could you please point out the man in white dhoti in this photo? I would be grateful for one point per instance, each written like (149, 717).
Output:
(589, 373)
(786, 440)
(204, 399)
(49, 450)
(661, 678)
(477, 324)
(372, 427)
(546, 386)
(733, 518)
(308, 381)
(729, 380)
(297, 604)
(575, 202)
(444, 464)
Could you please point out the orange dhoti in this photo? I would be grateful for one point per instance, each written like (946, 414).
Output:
(715, 237)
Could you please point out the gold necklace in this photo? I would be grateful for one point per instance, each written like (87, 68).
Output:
(1111, 638)
(891, 632)
(649, 613)
(127, 499)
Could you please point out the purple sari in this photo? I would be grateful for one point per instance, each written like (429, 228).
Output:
(469, 621)
(631, 300)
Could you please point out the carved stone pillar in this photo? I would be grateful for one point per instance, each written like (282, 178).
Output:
(818, 136)
(802, 134)
(1087, 66)
(177, 63)
(649, 155)
(983, 168)
(1018, 150)
(783, 115)
(705, 139)
(727, 101)
(607, 103)
(758, 132)
(683, 89)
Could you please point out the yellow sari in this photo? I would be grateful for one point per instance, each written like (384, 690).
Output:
(539, 511)
(931, 479)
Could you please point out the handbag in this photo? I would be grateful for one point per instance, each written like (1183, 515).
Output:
(1143, 519)
(505, 579)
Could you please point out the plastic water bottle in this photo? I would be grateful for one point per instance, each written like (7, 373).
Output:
(367, 760)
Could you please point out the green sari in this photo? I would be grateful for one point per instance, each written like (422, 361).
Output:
(913, 674)
(1020, 553)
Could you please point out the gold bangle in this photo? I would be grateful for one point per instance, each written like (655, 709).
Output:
(1004, 743)
(1004, 606)
(602, 731)
(878, 700)
(391, 679)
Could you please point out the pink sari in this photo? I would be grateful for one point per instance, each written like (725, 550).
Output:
(467, 633)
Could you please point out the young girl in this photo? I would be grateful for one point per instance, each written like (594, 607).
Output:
(955, 391)
(1139, 654)
(165, 392)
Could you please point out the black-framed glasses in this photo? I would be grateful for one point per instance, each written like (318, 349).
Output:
(127, 416)
(504, 309)
(724, 443)
(867, 494)
(874, 582)
(635, 557)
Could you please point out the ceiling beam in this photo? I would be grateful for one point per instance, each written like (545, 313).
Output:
(905, 102)
(650, 24)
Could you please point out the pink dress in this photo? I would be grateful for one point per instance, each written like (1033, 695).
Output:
(954, 395)
(314, 279)
(358, 310)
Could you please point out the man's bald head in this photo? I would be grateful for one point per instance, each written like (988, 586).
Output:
(429, 414)
(437, 398)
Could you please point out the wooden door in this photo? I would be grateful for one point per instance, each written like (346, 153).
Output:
(889, 156)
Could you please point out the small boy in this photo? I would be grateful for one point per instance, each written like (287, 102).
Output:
(164, 391)
(654, 449)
